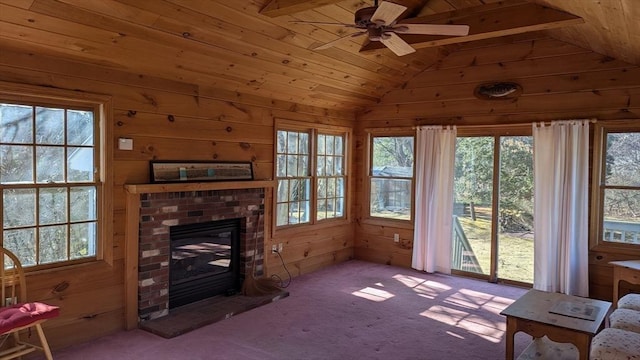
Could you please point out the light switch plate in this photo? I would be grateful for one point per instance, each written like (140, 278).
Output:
(125, 144)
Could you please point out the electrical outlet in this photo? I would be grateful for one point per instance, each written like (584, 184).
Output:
(280, 247)
(10, 301)
(396, 237)
(274, 248)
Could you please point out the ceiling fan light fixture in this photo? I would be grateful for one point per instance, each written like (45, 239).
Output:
(498, 90)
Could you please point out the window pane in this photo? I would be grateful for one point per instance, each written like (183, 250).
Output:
(329, 166)
(322, 188)
(53, 244)
(292, 165)
(321, 144)
(79, 164)
(304, 212)
(80, 127)
(49, 126)
(622, 162)
(281, 167)
(22, 243)
(331, 187)
(281, 142)
(390, 198)
(304, 143)
(329, 145)
(322, 209)
(83, 203)
(83, 240)
(19, 207)
(292, 142)
(50, 164)
(283, 214)
(321, 164)
(303, 165)
(621, 221)
(393, 156)
(53, 206)
(339, 169)
(339, 146)
(16, 124)
(283, 191)
(16, 164)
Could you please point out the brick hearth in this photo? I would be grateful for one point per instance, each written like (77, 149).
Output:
(160, 211)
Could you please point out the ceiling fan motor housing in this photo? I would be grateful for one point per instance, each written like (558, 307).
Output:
(363, 17)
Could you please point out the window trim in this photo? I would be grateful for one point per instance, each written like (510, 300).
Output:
(102, 106)
(600, 130)
(313, 130)
(391, 132)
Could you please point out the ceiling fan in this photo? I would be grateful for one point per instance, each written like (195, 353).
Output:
(380, 23)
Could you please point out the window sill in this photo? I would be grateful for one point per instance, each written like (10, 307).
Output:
(616, 248)
(292, 229)
(397, 223)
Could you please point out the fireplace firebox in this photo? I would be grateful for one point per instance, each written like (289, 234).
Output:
(205, 261)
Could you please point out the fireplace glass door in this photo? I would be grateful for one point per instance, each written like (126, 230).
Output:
(204, 261)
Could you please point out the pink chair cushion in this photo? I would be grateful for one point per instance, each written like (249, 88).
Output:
(19, 315)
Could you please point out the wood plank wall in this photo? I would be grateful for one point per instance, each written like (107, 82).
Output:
(559, 80)
(168, 120)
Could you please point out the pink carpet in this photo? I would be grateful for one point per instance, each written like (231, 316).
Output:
(355, 310)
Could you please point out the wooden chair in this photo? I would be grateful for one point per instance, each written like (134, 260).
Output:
(16, 314)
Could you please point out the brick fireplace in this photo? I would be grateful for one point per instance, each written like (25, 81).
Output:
(159, 211)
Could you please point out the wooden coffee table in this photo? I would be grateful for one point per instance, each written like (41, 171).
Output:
(530, 314)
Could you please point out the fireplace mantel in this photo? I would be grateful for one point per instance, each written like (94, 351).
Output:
(197, 186)
(133, 195)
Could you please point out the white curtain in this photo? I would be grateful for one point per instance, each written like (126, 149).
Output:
(561, 175)
(435, 155)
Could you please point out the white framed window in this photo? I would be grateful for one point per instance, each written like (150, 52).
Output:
(331, 178)
(51, 160)
(616, 195)
(311, 173)
(391, 176)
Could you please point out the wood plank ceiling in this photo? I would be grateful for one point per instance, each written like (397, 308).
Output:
(232, 46)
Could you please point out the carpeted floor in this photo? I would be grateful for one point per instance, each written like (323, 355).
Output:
(355, 310)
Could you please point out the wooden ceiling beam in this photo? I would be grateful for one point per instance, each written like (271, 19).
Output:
(277, 8)
(488, 21)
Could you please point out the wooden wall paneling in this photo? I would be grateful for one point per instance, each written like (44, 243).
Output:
(373, 255)
(52, 66)
(585, 101)
(182, 127)
(148, 148)
(593, 81)
(83, 329)
(505, 53)
(284, 7)
(189, 65)
(283, 59)
(518, 69)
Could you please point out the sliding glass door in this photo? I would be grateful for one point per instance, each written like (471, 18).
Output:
(493, 209)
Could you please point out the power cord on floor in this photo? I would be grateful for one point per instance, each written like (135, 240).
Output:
(277, 278)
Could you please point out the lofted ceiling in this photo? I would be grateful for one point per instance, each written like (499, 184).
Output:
(254, 47)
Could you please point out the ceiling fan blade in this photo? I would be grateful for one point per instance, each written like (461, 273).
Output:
(322, 23)
(396, 44)
(331, 43)
(432, 29)
(387, 13)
